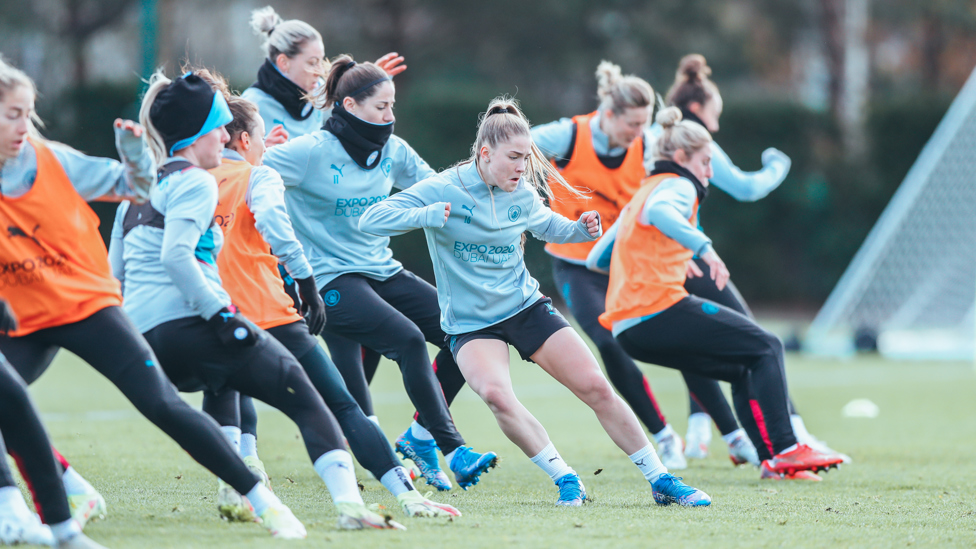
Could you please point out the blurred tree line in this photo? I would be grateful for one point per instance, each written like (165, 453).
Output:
(784, 67)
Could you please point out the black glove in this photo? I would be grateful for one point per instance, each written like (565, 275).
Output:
(313, 309)
(8, 322)
(232, 329)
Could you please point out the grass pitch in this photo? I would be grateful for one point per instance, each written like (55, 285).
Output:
(913, 480)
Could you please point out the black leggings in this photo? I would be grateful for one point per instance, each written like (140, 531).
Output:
(195, 359)
(585, 293)
(701, 337)
(109, 342)
(704, 287)
(396, 317)
(30, 447)
(366, 439)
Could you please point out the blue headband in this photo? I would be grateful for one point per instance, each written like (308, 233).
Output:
(220, 115)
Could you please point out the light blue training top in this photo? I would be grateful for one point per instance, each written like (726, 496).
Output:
(326, 192)
(740, 185)
(273, 114)
(477, 255)
(94, 178)
(265, 197)
(171, 273)
(668, 208)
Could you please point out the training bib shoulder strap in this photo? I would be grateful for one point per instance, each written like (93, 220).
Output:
(145, 214)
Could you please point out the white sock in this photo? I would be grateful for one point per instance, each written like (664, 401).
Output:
(700, 422)
(730, 438)
(233, 436)
(11, 498)
(449, 458)
(799, 428)
(397, 481)
(336, 470)
(249, 445)
(374, 419)
(262, 498)
(649, 464)
(419, 432)
(74, 483)
(664, 433)
(790, 449)
(552, 463)
(64, 531)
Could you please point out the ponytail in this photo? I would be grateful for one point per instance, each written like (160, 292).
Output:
(347, 78)
(157, 83)
(679, 134)
(691, 82)
(618, 93)
(281, 37)
(504, 120)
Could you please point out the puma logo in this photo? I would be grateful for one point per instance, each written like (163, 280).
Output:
(467, 218)
(338, 168)
(13, 231)
(553, 459)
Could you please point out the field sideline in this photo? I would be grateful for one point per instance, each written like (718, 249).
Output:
(913, 481)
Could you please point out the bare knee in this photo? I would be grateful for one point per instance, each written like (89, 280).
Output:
(596, 392)
(500, 399)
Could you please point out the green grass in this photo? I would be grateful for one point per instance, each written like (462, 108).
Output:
(912, 482)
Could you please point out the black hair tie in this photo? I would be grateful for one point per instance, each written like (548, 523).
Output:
(350, 65)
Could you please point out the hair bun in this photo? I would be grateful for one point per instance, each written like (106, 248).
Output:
(668, 117)
(264, 20)
(693, 67)
(607, 74)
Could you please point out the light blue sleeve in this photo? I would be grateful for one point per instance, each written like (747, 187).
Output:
(650, 143)
(290, 159)
(266, 200)
(669, 207)
(748, 186)
(189, 213)
(554, 138)
(418, 207)
(549, 226)
(599, 258)
(411, 169)
(106, 179)
(116, 247)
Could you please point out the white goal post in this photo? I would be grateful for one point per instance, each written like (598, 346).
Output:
(913, 281)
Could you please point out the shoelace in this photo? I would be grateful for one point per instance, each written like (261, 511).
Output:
(461, 457)
(569, 488)
(674, 487)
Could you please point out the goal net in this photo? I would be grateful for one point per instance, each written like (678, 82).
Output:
(913, 281)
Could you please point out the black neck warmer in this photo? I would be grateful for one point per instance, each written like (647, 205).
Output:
(362, 140)
(669, 166)
(286, 92)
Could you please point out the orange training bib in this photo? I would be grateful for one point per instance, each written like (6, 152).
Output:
(53, 264)
(647, 268)
(248, 270)
(609, 189)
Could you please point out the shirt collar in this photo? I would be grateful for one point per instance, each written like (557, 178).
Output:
(231, 154)
(601, 141)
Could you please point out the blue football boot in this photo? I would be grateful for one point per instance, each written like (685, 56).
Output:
(424, 454)
(571, 490)
(468, 465)
(669, 489)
